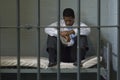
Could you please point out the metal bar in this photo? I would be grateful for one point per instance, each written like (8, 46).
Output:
(99, 38)
(38, 40)
(118, 46)
(109, 26)
(78, 44)
(58, 43)
(18, 39)
(108, 61)
(64, 70)
(118, 53)
(0, 56)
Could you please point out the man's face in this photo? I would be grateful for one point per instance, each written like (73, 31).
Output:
(69, 21)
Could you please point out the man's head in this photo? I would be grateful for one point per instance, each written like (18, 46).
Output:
(68, 16)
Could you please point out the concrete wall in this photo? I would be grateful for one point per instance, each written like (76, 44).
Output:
(110, 34)
(28, 16)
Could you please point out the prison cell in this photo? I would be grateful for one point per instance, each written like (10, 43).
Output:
(18, 30)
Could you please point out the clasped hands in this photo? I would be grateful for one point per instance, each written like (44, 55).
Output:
(66, 34)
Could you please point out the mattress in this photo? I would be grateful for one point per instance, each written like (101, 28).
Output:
(31, 62)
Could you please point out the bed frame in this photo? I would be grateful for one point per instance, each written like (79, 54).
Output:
(104, 71)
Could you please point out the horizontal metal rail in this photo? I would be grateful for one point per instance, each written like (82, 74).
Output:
(62, 27)
(54, 70)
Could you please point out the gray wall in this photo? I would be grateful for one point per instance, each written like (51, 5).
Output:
(28, 16)
(110, 34)
(28, 11)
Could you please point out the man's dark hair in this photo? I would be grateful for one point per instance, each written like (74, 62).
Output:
(68, 12)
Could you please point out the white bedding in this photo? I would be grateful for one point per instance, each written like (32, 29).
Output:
(11, 61)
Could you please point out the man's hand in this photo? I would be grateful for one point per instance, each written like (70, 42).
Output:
(66, 34)
(67, 38)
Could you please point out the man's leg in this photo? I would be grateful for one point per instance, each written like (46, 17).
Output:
(52, 55)
(51, 49)
(82, 57)
(65, 54)
(74, 54)
(74, 51)
(83, 54)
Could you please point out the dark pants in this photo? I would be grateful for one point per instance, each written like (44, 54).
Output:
(67, 54)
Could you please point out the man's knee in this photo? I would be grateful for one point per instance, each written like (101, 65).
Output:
(51, 42)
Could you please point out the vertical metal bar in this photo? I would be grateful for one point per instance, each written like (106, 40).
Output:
(58, 43)
(118, 59)
(0, 55)
(99, 38)
(118, 46)
(38, 38)
(108, 61)
(78, 44)
(18, 39)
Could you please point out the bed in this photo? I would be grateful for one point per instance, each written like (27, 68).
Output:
(28, 65)
(30, 62)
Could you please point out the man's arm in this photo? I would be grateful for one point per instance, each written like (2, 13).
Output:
(67, 33)
(84, 30)
(51, 30)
